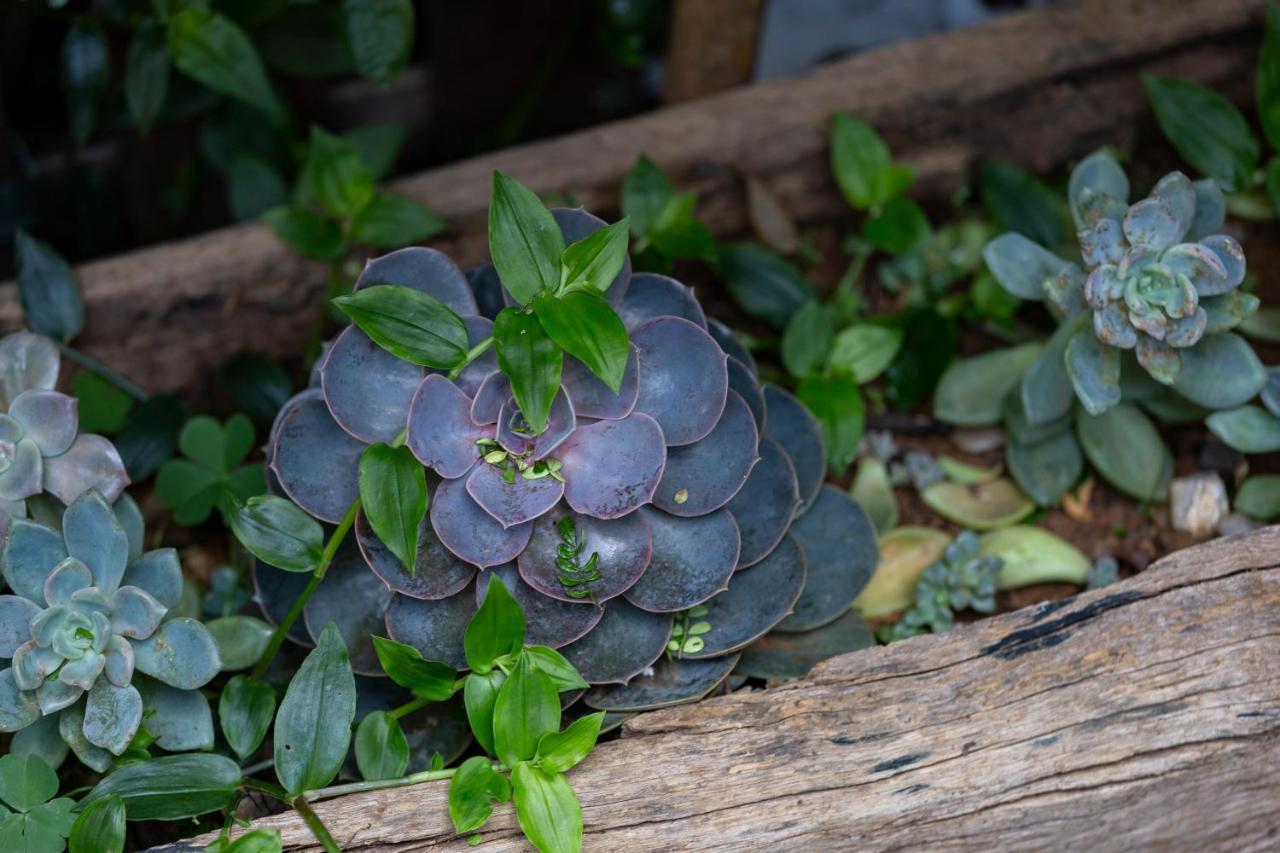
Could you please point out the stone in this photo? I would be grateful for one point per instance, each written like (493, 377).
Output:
(1198, 503)
(979, 440)
(1237, 522)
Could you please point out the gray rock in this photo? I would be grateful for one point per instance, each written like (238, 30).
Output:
(1198, 503)
(1237, 522)
(982, 440)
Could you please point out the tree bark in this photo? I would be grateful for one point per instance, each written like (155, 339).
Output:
(712, 47)
(1145, 715)
(1038, 88)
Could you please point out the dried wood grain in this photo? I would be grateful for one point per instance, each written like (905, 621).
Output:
(1038, 88)
(1145, 715)
(712, 47)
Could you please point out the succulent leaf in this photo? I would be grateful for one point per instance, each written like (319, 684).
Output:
(94, 536)
(182, 654)
(48, 418)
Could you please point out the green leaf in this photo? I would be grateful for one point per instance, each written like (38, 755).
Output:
(928, 345)
(1272, 181)
(1268, 85)
(86, 72)
(1019, 201)
(391, 221)
(244, 713)
(146, 75)
(309, 234)
(51, 301)
(427, 679)
(524, 240)
(1205, 128)
(527, 708)
(837, 405)
(408, 324)
(475, 787)
(1127, 450)
(393, 494)
(807, 339)
(313, 727)
(378, 146)
(41, 830)
(584, 325)
(150, 435)
(595, 260)
(972, 391)
(863, 166)
(99, 828)
(241, 640)
(679, 234)
(214, 51)
(254, 186)
(382, 750)
(26, 781)
(258, 384)
(380, 36)
(763, 283)
(496, 630)
(103, 407)
(256, 841)
(899, 227)
(563, 675)
(1248, 429)
(335, 176)
(873, 492)
(547, 809)
(558, 752)
(480, 695)
(277, 532)
(645, 190)
(864, 350)
(171, 787)
(531, 360)
(1259, 497)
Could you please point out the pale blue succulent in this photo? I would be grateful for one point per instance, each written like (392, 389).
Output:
(41, 448)
(87, 624)
(962, 579)
(1157, 280)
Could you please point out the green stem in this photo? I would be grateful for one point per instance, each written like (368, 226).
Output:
(85, 360)
(326, 557)
(472, 354)
(269, 788)
(408, 708)
(381, 784)
(264, 764)
(316, 825)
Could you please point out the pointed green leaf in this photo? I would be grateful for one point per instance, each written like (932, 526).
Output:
(558, 752)
(277, 532)
(584, 325)
(382, 750)
(51, 301)
(391, 221)
(408, 324)
(213, 50)
(531, 360)
(595, 260)
(547, 809)
(496, 630)
(393, 495)
(526, 709)
(524, 240)
(171, 787)
(807, 339)
(480, 695)
(427, 679)
(1205, 128)
(335, 176)
(309, 234)
(244, 712)
(379, 35)
(837, 405)
(473, 791)
(563, 675)
(146, 76)
(313, 727)
(100, 827)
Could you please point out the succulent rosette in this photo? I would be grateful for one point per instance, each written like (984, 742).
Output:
(1157, 281)
(41, 448)
(91, 644)
(691, 486)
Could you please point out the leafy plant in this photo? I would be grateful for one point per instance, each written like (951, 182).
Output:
(89, 637)
(32, 816)
(213, 472)
(663, 222)
(963, 579)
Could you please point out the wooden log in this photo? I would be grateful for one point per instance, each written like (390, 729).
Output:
(712, 47)
(1145, 715)
(1039, 87)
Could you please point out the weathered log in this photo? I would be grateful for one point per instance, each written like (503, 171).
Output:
(1039, 88)
(1145, 715)
(712, 47)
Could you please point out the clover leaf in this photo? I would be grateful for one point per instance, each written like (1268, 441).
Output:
(211, 474)
(31, 820)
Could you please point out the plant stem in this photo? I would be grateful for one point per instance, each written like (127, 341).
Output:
(380, 784)
(408, 708)
(326, 557)
(264, 764)
(269, 788)
(316, 825)
(88, 361)
(472, 354)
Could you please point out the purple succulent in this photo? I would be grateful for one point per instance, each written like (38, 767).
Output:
(629, 509)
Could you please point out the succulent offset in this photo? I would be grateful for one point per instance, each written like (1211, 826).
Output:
(628, 510)
(962, 579)
(40, 448)
(1157, 281)
(90, 644)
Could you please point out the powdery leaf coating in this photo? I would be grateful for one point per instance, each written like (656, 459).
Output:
(515, 502)
(765, 504)
(650, 295)
(48, 418)
(757, 600)
(683, 378)
(702, 477)
(428, 271)
(549, 621)
(94, 536)
(612, 468)
(438, 573)
(316, 461)
(592, 398)
(91, 463)
(434, 628)
(471, 533)
(441, 433)
(353, 598)
(693, 559)
(627, 641)
(624, 546)
(181, 653)
(371, 409)
(31, 552)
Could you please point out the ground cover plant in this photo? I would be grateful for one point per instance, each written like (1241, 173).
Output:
(504, 509)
